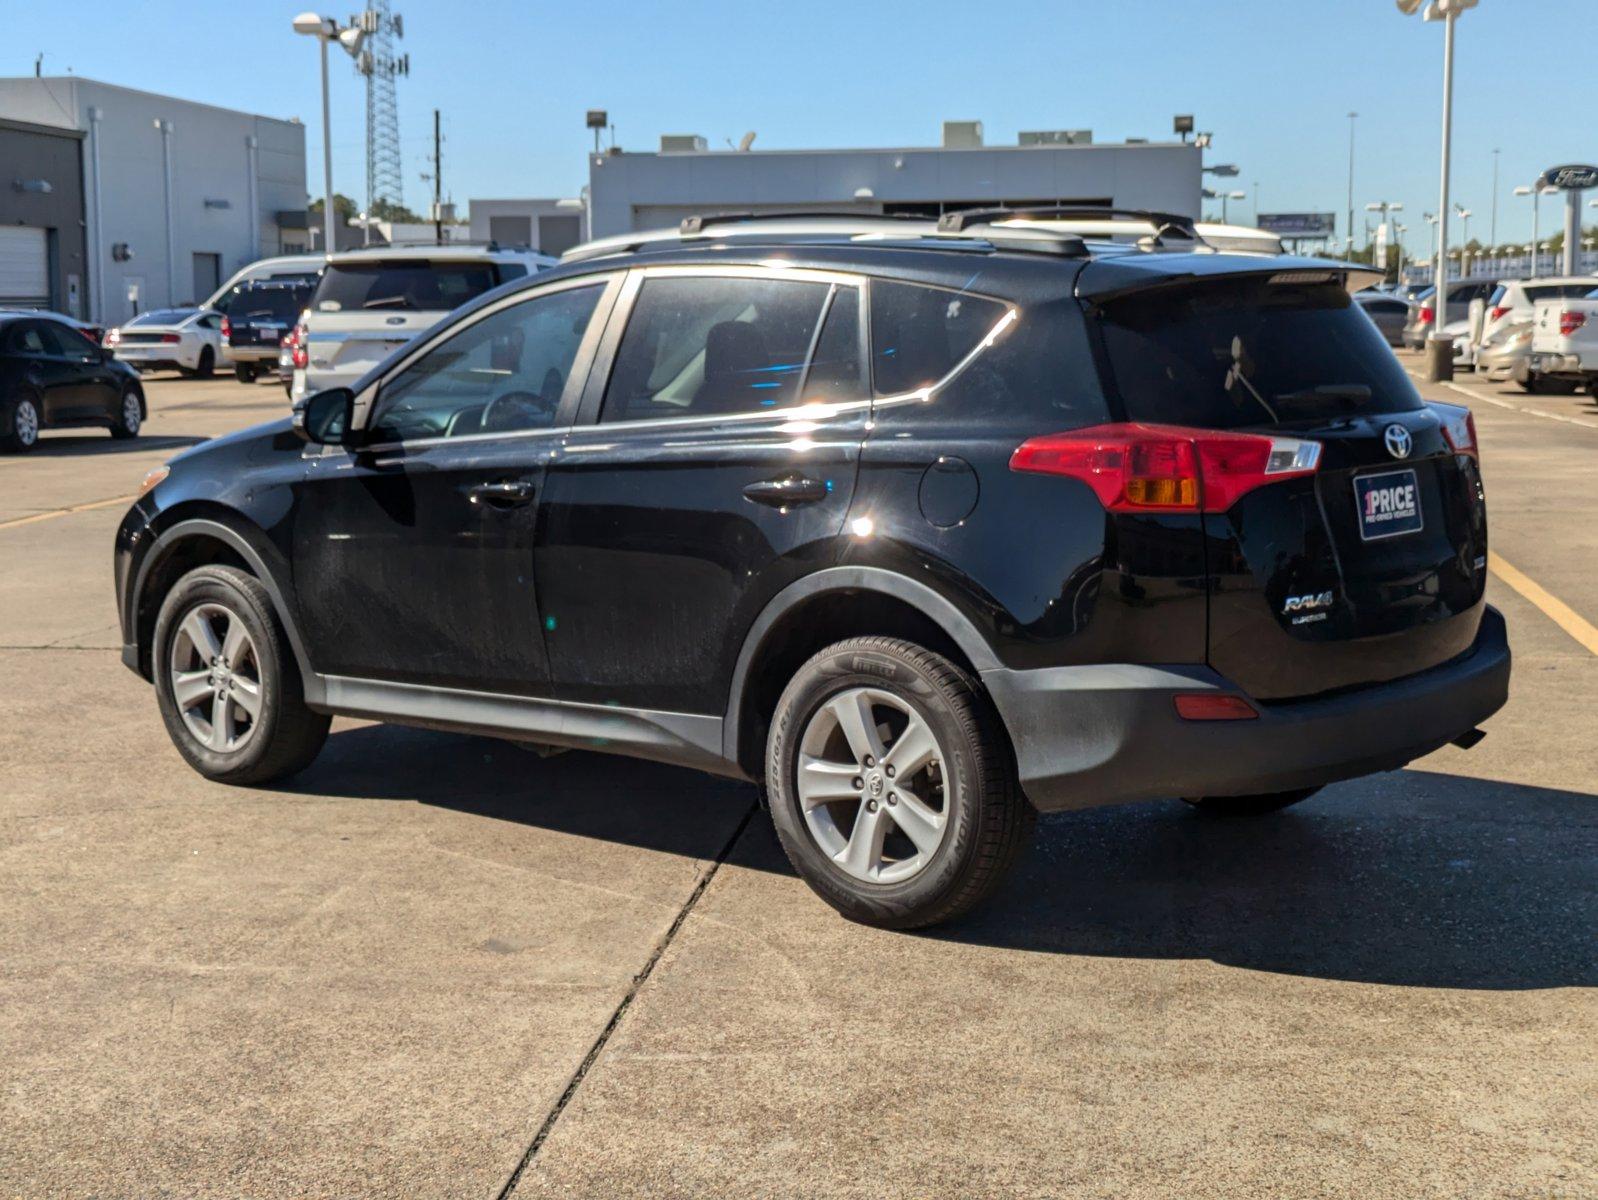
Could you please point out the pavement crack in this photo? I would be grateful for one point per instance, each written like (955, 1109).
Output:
(641, 978)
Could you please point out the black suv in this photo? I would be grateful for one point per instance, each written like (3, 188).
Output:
(258, 315)
(922, 527)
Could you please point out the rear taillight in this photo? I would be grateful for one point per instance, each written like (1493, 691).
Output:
(1427, 314)
(1570, 321)
(299, 356)
(112, 337)
(227, 329)
(1498, 312)
(1166, 468)
(171, 339)
(1459, 431)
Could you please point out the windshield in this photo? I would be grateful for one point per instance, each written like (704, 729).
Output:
(1238, 352)
(164, 316)
(402, 285)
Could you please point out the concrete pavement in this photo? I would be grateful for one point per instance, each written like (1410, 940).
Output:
(439, 965)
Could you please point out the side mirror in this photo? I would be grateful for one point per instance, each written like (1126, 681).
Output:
(328, 418)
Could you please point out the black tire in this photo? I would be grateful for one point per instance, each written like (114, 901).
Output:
(1249, 806)
(1544, 385)
(203, 366)
(244, 373)
(130, 419)
(987, 821)
(17, 432)
(286, 736)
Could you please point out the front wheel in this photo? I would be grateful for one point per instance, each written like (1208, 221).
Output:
(227, 683)
(891, 784)
(1249, 806)
(130, 417)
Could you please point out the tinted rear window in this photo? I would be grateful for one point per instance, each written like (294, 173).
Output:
(401, 285)
(919, 334)
(268, 304)
(1170, 352)
(164, 316)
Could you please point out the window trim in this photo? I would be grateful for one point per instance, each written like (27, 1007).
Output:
(369, 401)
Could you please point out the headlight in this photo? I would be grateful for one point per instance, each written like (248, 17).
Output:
(152, 479)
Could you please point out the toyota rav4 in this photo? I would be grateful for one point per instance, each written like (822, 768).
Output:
(922, 527)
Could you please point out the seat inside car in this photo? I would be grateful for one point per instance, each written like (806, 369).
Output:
(734, 350)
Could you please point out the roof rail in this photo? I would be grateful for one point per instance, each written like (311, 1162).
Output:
(699, 222)
(962, 219)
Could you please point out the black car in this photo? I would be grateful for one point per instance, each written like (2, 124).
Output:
(257, 316)
(53, 376)
(923, 528)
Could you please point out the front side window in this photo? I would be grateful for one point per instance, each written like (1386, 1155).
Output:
(504, 373)
(920, 334)
(402, 285)
(708, 346)
(35, 338)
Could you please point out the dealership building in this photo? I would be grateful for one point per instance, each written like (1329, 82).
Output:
(633, 191)
(120, 200)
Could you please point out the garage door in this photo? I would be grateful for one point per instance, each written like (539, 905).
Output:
(24, 267)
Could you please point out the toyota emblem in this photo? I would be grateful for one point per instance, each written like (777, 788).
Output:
(1398, 441)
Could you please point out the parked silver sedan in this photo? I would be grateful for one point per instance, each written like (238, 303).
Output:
(1388, 311)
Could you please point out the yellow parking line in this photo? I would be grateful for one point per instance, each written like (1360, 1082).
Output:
(1555, 609)
(66, 512)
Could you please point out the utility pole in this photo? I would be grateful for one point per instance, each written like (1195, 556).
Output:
(1348, 254)
(438, 182)
(1492, 229)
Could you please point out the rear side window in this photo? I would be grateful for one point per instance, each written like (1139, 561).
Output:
(402, 285)
(265, 304)
(1236, 353)
(920, 334)
(704, 346)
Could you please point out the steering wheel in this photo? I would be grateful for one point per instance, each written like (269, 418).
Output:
(516, 410)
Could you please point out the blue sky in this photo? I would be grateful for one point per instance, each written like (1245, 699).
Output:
(1273, 79)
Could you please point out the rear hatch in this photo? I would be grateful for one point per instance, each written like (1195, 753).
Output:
(261, 317)
(1367, 567)
(363, 311)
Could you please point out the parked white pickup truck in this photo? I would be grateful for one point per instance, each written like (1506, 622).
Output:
(1564, 346)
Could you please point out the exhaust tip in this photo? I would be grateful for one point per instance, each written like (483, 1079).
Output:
(1466, 740)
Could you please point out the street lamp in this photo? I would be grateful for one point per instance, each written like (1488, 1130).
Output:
(325, 30)
(1536, 193)
(1464, 237)
(1348, 254)
(1225, 196)
(1384, 207)
(1440, 352)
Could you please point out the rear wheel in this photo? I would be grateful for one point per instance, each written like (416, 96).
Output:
(1249, 806)
(130, 416)
(1545, 385)
(227, 683)
(891, 784)
(244, 373)
(19, 423)
(203, 366)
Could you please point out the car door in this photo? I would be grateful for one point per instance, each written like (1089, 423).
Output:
(712, 464)
(413, 554)
(93, 387)
(45, 370)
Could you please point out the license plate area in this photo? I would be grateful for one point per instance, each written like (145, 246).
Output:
(1388, 504)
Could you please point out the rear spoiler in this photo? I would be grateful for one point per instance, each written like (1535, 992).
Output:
(1107, 278)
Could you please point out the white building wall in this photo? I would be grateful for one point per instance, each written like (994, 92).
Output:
(641, 191)
(211, 159)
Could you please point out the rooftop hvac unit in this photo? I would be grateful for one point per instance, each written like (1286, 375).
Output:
(682, 143)
(962, 135)
(1057, 137)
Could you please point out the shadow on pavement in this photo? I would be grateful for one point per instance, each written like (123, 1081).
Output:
(83, 445)
(1412, 879)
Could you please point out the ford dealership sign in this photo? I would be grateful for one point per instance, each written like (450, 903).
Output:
(1570, 178)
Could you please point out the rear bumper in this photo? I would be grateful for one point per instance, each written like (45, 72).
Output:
(253, 354)
(1545, 363)
(1093, 735)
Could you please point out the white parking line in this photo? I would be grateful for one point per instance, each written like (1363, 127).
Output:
(1505, 404)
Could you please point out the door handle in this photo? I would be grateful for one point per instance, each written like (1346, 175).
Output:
(504, 493)
(789, 489)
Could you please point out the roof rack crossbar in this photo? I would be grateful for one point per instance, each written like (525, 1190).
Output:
(962, 219)
(699, 222)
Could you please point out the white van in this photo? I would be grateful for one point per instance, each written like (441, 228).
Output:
(370, 302)
(283, 268)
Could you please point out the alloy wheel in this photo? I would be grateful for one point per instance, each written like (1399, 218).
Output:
(216, 677)
(131, 416)
(25, 422)
(872, 786)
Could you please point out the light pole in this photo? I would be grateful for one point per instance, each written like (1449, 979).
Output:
(325, 30)
(1464, 237)
(1492, 228)
(1536, 193)
(1348, 254)
(1431, 255)
(1440, 351)
(1225, 196)
(1384, 207)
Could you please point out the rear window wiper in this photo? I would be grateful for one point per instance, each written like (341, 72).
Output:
(1353, 393)
(384, 301)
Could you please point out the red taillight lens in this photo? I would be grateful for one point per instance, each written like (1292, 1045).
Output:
(1498, 312)
(1166, 468)
(172, 339)
(1427, 314)
(1459, 431)
(1214, 706)
(300, 356)
(112, 337)
(1569, 322)
(227, 328)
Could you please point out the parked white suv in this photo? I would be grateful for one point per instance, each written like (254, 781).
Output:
(369, 303)
(1564, 346)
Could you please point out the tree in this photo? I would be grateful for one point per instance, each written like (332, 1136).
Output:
(387, 210)
(345, 208)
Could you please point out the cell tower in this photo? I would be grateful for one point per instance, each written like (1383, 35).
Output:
(381, 66)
